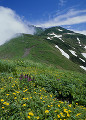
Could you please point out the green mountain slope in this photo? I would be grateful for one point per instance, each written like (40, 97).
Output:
(38, 49)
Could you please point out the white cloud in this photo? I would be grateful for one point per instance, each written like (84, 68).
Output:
(70, 18)
(81, 32)
(61, 2)
(11, 24)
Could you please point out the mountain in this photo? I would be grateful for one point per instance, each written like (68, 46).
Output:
(41, 77)
(53, 46)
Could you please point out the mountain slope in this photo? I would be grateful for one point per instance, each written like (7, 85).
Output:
(73, 44)
(38, 49)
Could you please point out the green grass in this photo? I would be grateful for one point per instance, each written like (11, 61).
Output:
(37, 49)
(53, 94)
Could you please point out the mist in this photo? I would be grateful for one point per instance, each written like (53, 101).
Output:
(11, 24)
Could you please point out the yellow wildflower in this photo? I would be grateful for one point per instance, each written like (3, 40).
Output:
(78, 114)
(2, 100)
(70, 105)
(37, 117)
(58, 116)
(65, 110)
(50, 95)
(31, 113)
(40, 97)
(14, 93)
(48, 105)
(15, 97)
(7, 94)
(76, 103)
(7, 103)
(46, 111)
(2, 107)
(29, 117)
(68, 115)
(24, 98)
(4, 103)
(24, 104)
(58, 105)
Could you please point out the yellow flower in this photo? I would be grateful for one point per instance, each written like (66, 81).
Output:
(2, 100)
(7, 94)
(29, 117)
(46, 111)
(7, 103)
(51, 105)
(2, 107)
(43, 101)
(68, 115)
(56, 110)
(14, 93)
(4, 103)
(50, 95)
(58, 116)
(78, 114)
(37, 117)
(24, 104)
(70, 111)
(15, 97)
(24, 98)
(76, 103)
(31, 113)
(58, 105)
(62, 114)
(70, 105)
(65, 110)
(40, 97)
(48, 105)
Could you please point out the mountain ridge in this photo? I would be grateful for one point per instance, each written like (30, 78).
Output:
(45, 50)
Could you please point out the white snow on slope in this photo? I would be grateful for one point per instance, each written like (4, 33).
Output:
(60, 30)
(85, 47)
(79, 41)
(84, 54)
(70, 33)
(58, 36)
(83, 67)
(63, 53)
(73, 52)
(49, 38)
(82, 59)
(61, 39)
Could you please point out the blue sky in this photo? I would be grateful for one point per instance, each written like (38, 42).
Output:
(70, 14)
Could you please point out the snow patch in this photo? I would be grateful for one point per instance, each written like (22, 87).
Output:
(63, 53)
(48, 38)
(61, 39)
(73, 52)
(84, 54)
(58, 36)
(83, 67)
(70, 33)
(85, 47)
(60, 30)
(82, 59)
(79, 41)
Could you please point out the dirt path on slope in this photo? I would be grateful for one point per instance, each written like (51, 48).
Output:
(27, 51)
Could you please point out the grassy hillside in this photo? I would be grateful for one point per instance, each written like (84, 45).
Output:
(33, 91)
(38, 49)
(37, 82)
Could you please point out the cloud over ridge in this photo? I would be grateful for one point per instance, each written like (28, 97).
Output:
(69, 18)
(11, 24)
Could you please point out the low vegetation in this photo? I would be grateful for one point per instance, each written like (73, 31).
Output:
(34, 91)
